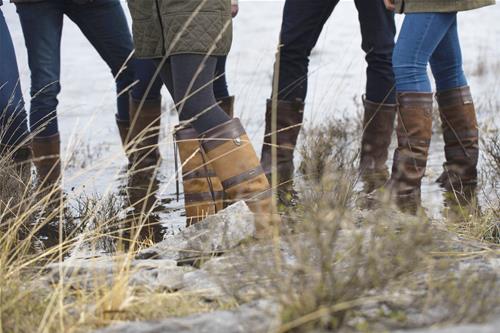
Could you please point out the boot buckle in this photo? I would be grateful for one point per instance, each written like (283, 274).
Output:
(237, 141)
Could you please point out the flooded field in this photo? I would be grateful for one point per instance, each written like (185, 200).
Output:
(95, 162)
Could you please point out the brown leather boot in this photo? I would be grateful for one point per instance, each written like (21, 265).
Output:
(124, 130)
(203, 192)
(227, 104)
(46, 157)
(289, 122)
(378, 127)
(414, 132)
(235, 162)
(461, 137)
(144, 133)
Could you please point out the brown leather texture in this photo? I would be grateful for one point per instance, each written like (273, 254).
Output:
(461, 137)
(289, 123)
(203, 192)
(46, 157)
(378, 127)
(144, 132)
(414, 131)
(227, 105)
(124, 130)
(236, 163)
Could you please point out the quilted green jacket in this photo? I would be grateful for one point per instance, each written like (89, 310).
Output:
(169, 27)
(419, 6)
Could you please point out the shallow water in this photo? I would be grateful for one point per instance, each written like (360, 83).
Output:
(86, 111)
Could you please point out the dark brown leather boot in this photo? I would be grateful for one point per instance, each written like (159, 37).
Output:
(124, 130)
(378, 126)
(414, 132)
(144, 133)
(461, 137)
(236, 164)
(289, 122)
(227, 104)
(46, 157)
(203, 192)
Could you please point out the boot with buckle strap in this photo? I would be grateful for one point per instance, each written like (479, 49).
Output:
(378, 127)
(203, 192)
(289, 122)
(414, 132)
(235, 162)
(144, 133)
(461, 137)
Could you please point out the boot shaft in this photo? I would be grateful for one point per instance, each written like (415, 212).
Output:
(414, 132)
(461, 137)
(203, 192)
(235, 162)
(46, 157)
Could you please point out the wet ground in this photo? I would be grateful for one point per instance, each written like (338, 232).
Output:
(86, 111)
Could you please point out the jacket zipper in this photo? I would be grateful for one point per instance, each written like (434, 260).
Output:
(157, 2)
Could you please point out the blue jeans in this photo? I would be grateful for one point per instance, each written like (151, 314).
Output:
(13, 118)
(428, 38)
(303, 21)
(104, 24)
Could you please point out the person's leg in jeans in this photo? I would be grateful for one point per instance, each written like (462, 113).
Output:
(421, 35)
(42, 28)
(378, 31)
(104, 24)
(458, 116)
(13, 119)
(302, 24)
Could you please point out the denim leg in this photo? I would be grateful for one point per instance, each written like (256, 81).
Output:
(446, 62)
(378, 31)
(42, 24)
(302, 24)
(144, 72)
(104, 24)
(220, 83)
(13, 118)
(420, 35)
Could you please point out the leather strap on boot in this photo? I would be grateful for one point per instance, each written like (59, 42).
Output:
(461, 137)
(227, 105)
(203, 192)
(235, 162)
(289, 122)
(414, 133)
(46, 157)
(145, 132)
(378, 126)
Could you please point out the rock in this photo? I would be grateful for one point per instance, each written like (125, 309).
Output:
(89, 273)
(493, 327)
(215, 235)
(257, 317)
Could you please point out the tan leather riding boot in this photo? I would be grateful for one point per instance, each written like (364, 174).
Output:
(461, 137)
(378, 126)
(203, 192)
(46, 157)
(235, 162)
(144, 133)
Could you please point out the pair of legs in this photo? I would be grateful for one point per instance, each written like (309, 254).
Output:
(13, 118)
(104, 24)
(432, 38)
(302, 24)
(428, 38)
